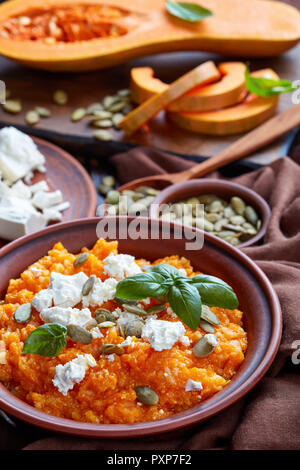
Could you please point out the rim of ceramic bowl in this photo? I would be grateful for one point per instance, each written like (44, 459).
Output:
(31, 415)
(197, 187)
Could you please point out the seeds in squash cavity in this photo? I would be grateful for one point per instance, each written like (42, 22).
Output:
(146, 395)
(78, 114)
(32, 117)
(251, 215)
(109, 181)
(112, 349)
(155, 309)
(90, 324)
(135, 309)
(205, 346)
(12, 106)
(107, 324)
(79, 334)
(238, 205)
(103, 135)
(207, 327)
(88, 285)
(23, 313)
(81, 259)
(60, 97)
(134, 328)
(208, 315)
(42, 112)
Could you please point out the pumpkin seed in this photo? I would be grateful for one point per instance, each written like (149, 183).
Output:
(90, 324)
(155, 309)
(109, 101)
(125, 301)
(146, 395)
(117, 106)
(208, 226)
(124, 93)
(103, 135)
(32, 117)
(251, 215)
(238, 205)
(220, 224)
(208, 315)
(117, 118)
(103, 123)
(102, 315)
(135, 309)
(113, 197)
(207, 327)
(78, 114)
(109, 181)
(106, 324)
(23, 313)
(79, 334)
(88, 285)
(60, 97)
(102, 189)
(215, 206)
(100, 115)
(94, 107)
(12, 106)
(205, 345)
(42, 112)
(112, 210)
(134, 328)
(81, 259)
(237, 219)
(112, 349)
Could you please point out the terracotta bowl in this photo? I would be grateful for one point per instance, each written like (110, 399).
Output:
(222, 188)
(256, 296)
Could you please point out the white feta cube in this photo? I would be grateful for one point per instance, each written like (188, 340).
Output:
(67, 290)
(43, 200)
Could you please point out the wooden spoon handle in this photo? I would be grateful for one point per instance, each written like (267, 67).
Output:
(259, 137)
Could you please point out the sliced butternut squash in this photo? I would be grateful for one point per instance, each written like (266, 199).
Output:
(229, 90)
(77, 35)
(233, 120)
(202, 74)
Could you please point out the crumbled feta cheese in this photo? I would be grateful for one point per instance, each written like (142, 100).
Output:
(52, 215)
(67, 290)
(73, 372)
(162, 334)
(127, 341)
(193, 385)
(117, 312)
(61, 207)
(43, 200)
(21, 190)
(36, 271)
(120, 266)
(43, 299)
(19, 155)
(101, 292)
(185, 340)
(211, 339)
(111, 357)
(40, 186)
(66, 316)
(96, 333)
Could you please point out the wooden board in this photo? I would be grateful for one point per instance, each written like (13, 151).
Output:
(37, 87)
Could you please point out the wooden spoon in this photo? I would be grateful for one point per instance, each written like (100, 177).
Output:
(259, 137)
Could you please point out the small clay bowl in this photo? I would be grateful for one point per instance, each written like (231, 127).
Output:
(222, 188)
(257, 299)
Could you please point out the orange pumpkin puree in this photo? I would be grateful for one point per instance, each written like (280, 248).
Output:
(107, 393)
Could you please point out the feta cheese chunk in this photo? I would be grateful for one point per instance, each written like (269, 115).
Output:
(43, 200)
(193, 385)
(66, 316)
(67, 290)
(43, 299)
(162, 334)
(19, 155)
(52, 215)
(15, 223)
(21, 190)
(120, 266)
(101, 292)
(73, 372)
(40, 186)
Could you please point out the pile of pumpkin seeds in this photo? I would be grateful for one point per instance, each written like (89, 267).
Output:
(130, 202)
(103, 115)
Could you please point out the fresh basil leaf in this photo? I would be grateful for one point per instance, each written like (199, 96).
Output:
(166, 270)
(142, 286)
(266, 86)
(214, 292)
(46, 340)
(185, 301)
(187, 11)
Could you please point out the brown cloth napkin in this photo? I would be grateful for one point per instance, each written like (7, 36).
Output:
(269, 416)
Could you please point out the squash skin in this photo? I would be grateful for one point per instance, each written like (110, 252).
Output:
(253, 29)
(254, 110)
(229, 90)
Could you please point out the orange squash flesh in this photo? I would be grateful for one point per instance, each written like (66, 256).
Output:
(237, 28)
(233, 120)
(202, 74)
(229, 90)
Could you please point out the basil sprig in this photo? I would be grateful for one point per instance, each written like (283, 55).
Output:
(46, 340)
(267, 86)
(187, 11)
(185, 295)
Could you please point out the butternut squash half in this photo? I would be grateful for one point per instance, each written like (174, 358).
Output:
(229, 90)
(78, 35)
(233, 120)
